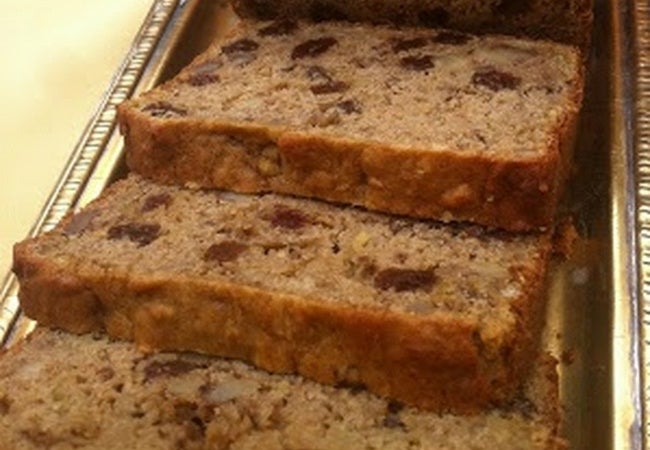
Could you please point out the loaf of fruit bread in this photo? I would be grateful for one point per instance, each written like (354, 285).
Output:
(567, 21)
(430, 124)
(86, 392)
(438, 316)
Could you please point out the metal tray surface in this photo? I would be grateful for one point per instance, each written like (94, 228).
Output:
(598, 318)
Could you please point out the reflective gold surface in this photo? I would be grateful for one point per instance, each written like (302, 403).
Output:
(626, 416)
(596, 315)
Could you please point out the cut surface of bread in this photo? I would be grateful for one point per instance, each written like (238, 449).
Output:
(426, 123)
(63, 391)
(437, 316)
(567, 21)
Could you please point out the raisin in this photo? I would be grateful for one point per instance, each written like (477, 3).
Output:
(329, 87)
(140, 233)
(279, 28)
(512, 7)
(313, 47)
(392, 419)
(156, 201)
(318, 73)
(164, 109)
(402, 280)
(204, 73)
(436, 17)
(451, 38)
(224, 251)
(288, 218)
(495, 80)
(5, 405)
(402, 45)
(349, 106)
(80, 222)
(394, 407)
(174, 367)
(418, 63)
(323, 11)
(241, 45)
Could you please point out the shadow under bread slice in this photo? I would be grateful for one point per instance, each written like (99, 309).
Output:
(444, 317)
(426, 123)
(89, 392)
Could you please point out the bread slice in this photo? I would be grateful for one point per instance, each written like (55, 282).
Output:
(431, 124)
(441, 317)
(63, 391)
(567, 21)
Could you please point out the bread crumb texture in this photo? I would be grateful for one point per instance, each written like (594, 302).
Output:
(426, 123)
(110, 396)
(337, 294)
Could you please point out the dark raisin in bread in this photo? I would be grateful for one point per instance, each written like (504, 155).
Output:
(567, 21)
(438, 316)
(431, 124)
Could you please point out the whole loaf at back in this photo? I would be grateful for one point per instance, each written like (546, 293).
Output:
(567, 21)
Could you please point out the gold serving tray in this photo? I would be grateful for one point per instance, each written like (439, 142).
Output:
(598, 321)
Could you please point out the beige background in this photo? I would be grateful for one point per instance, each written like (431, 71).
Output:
(58, 58)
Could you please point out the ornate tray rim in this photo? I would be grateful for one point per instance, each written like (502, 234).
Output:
(636, 85)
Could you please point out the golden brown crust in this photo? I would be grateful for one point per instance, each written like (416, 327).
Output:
(517, 195)
(529, 310)
(502, 188)
(545, 387)
(437, 362)
(43, 283)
